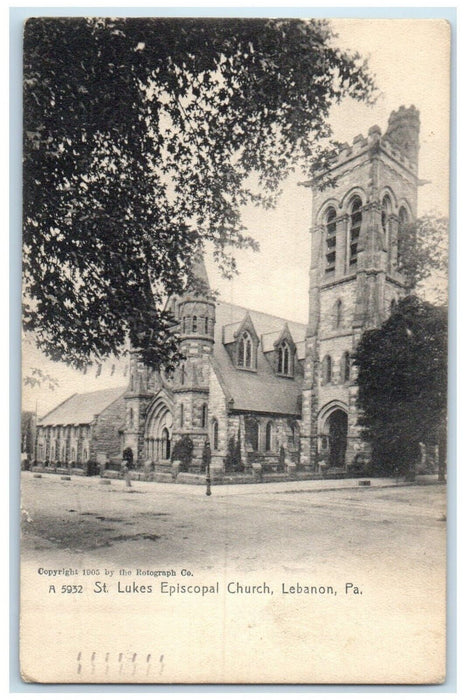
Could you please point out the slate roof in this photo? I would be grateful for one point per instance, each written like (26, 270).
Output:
(260, 391)
(80, 409)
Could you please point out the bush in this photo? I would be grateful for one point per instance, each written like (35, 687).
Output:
(92, 468)
(232, 461)
(282, 458)
(183, 452)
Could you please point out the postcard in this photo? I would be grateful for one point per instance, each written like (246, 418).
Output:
(235, 285)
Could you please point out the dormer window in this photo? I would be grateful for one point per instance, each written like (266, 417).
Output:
(245, 352)
(285, 365)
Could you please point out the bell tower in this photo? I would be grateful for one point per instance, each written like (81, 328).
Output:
(355, 280)
(196, 315)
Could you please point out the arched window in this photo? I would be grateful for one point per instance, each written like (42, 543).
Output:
(327, 370)
(386, 210)
(206, 325)
(194, 324)
(181, 415)
(245, 350)
(268, 436)
(166, 446)
(330, 240)
(346, 367)
(183, 325)
(338, 313)
(355, 229)
(294, 435)
(284, 359)
(131, 418)
(204, 416)
(215, 434)
(403, 219)
(252, 433)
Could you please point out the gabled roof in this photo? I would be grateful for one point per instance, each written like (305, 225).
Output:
(81, 409)
(261, 390)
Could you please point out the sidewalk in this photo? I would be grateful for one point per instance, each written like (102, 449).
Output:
(223, 490)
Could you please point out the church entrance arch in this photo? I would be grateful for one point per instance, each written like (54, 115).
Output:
(158, 432)
(337, 426)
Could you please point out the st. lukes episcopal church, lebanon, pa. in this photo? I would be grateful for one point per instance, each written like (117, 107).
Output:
(255, 387)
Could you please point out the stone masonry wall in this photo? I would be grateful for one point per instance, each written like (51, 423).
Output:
(105, 431)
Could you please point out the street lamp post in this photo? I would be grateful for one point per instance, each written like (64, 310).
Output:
(207, 455)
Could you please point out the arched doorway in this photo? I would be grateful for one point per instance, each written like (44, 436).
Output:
(337, 424)
(158, 432)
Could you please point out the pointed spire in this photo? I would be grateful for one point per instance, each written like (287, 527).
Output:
(199, 271)
(198, 281)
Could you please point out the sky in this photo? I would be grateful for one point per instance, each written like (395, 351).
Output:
(410, 61)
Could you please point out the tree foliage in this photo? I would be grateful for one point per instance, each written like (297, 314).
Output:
(403, 380)
(423, 257)
(141, 140)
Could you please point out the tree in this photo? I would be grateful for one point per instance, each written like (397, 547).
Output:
(423, 257)
(402, 383)
(143, 139)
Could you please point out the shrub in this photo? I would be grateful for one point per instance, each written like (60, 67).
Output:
(232, 461)
(282, 458)
(91, 467)
(183, 451)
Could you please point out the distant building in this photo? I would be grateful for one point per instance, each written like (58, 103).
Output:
(82, 428)
(260, 385)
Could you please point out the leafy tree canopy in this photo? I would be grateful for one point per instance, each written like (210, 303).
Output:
(141, 140)
(424, 257)
(403, 382)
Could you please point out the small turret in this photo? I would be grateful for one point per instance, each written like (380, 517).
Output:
(197, 308)
(403, 131)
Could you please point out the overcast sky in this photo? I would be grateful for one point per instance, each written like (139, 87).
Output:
(411, 65)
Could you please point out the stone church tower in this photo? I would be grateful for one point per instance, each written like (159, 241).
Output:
(196, 314)
(354, 277)
(159, 410)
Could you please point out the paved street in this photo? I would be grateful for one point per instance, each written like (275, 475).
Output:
(251, 524)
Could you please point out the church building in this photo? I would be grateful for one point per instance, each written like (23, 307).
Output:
(267, 389)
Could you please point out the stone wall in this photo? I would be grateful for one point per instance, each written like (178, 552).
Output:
(105, 430)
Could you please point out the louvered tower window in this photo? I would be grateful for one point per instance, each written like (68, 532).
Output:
(330, 240)
(355, 230)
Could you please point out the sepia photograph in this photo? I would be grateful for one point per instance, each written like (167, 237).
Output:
(234, 420)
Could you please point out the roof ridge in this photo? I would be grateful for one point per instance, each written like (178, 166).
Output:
(256, 311)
